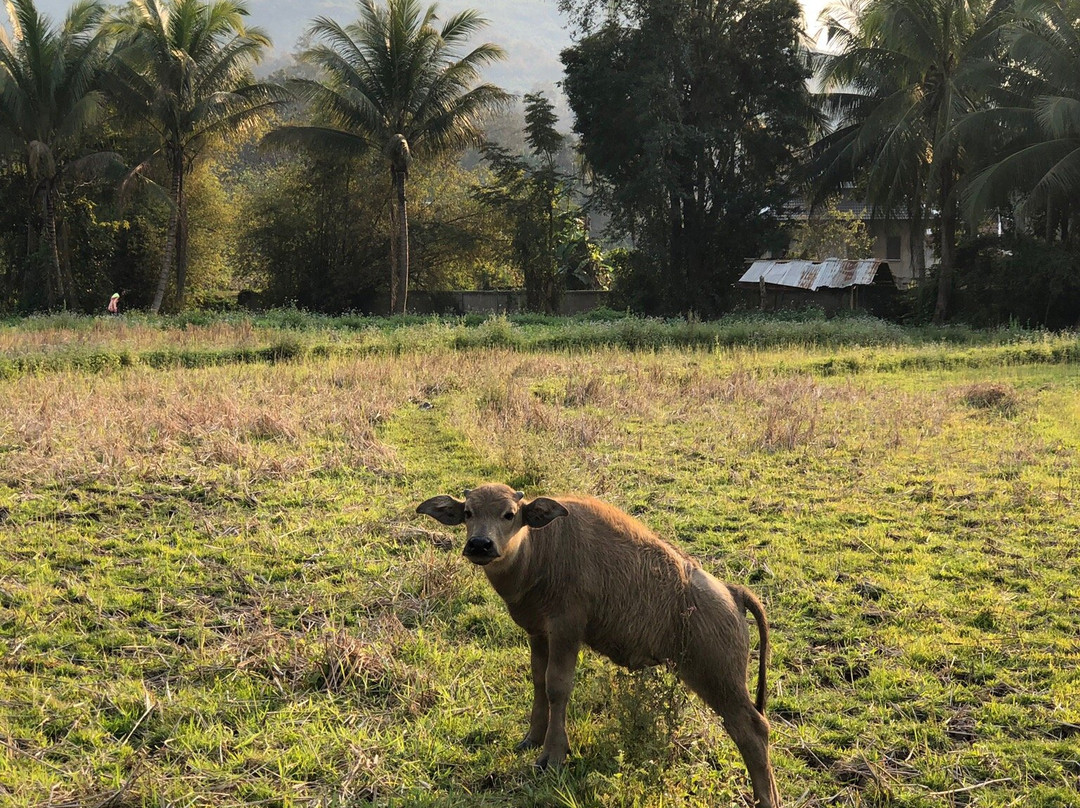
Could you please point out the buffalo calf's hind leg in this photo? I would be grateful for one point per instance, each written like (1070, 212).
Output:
(750, 731)
(747, 727)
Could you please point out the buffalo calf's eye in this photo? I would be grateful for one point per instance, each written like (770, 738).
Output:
(508, 516)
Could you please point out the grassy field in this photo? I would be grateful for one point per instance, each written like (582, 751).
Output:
(214, 590)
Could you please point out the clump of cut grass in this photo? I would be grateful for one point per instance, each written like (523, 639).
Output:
(993, 396)
(791, 415)
(342, 662)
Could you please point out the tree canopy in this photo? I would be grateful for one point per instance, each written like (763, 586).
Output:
(129, 159)
(396, 83)
(690, 116)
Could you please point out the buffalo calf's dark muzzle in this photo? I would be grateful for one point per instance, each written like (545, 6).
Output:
(480, 548)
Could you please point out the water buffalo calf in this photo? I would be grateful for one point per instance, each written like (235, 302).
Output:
(578, 571)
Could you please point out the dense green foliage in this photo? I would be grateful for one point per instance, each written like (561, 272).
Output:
(214, 588)
(550, 245)
(831, 233)
(690, 114)
(1019, 279)
(129, 159)
(313, 235)
(932, 102)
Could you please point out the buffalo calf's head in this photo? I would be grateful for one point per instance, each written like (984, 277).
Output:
(493, 515)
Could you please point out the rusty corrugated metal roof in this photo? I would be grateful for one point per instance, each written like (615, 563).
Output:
(832, 273)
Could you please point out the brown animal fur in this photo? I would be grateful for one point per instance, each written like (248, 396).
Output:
(578, 571)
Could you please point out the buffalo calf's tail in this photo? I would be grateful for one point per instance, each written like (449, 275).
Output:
(749, 602)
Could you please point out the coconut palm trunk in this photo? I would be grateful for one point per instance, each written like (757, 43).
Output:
(917, 244)
(60, 277)
(181, 249)
(397, 150)
(400, 254)
(169, 258)
(949, 220)
(56, 276)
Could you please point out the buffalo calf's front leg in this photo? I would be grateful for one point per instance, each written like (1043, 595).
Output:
(559, 681)
(538, 720)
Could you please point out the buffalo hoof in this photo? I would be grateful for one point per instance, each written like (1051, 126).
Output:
(525, 744)
(545, 762)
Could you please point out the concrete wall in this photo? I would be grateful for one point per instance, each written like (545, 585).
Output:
(904, 268)
(504, 302)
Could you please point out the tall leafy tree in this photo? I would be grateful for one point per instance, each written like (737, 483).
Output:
(1034, 123)
(906, 72)
(535, 195)
(49, 99)
(690, 114)
(184, 67)
(395, 82)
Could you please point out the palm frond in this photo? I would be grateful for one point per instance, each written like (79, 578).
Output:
(459, 123)
(995, 184)
(463, 26)
(318, 140)
(1058, 115)
(81, 116)
(392, 72)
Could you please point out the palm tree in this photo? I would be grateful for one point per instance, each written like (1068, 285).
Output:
(906, 72)
(1035, 120)
(184, 67)
(48, 101)
(395, 82)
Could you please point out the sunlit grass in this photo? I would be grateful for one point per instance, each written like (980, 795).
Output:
(214, 590)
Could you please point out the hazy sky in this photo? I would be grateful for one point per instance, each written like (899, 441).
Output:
(811, 10)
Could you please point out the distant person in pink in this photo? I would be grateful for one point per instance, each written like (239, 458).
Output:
(113, 302)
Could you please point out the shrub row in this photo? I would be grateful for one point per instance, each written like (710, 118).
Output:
(301, 335)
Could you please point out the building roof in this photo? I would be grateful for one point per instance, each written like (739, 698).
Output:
(832, 273)
(799, 210)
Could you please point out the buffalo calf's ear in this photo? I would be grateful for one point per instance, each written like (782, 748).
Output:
(446, 509)
(542, 511)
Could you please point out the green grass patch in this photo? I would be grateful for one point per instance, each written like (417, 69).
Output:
(214, 589)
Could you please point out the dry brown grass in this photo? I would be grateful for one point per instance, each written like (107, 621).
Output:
(529, 418)
(107, 334)
(258, 421)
